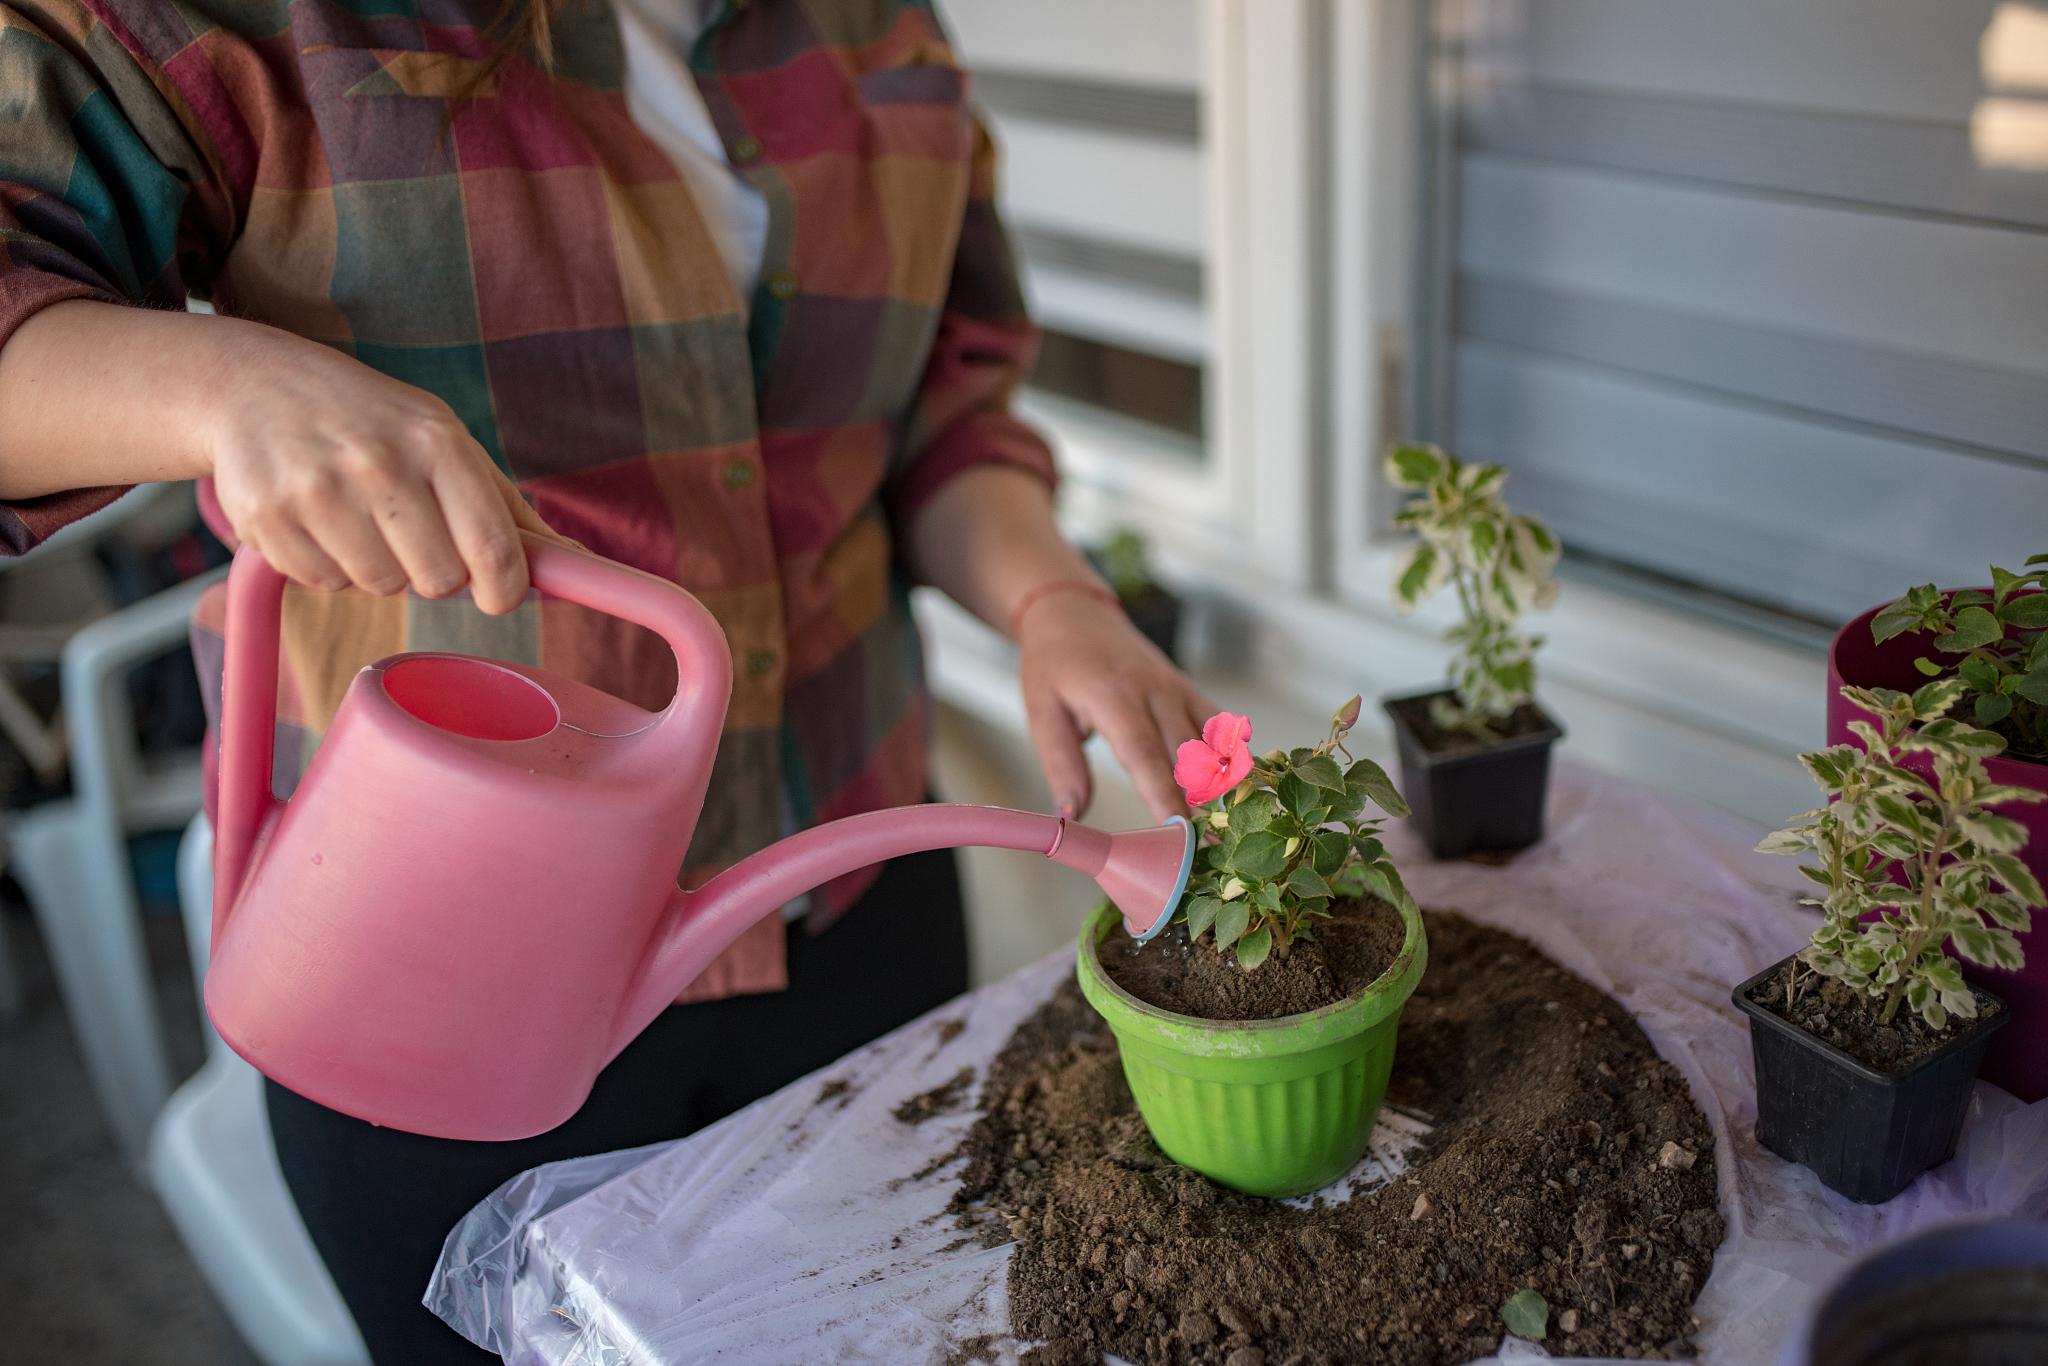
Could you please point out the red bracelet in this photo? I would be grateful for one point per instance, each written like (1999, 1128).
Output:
(1030, 599)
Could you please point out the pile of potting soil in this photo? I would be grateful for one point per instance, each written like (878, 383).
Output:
(1566, 1158)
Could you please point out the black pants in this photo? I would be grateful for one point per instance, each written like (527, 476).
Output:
(379, 1202)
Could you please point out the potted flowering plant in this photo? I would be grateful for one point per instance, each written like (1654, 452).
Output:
(1152, 608)
(1258, 1032)
(1475, 756)
(1995, 640)
(1868, 1039)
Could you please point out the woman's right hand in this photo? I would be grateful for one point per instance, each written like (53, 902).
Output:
(341, 475)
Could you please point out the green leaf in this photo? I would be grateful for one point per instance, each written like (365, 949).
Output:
(1991, 709)
(1527, 1315)
(1306, 881)
(1327, 849)
(1980, 674)
(1416, 575)
(1297, 795)
(1230, 923)
(1255, 812)
(1201, 911)
(1903, 815)
(1783, 842)
(1414, 467)
(1972, 942)
(1934, 699)
(1321, 770)
(2034, 687)
(1927, 666)
(1974, 627)
(1261, 854)
(1253, 948)
(1377, 785)
(2028, 611)
(1895, 620)
(2017, 879)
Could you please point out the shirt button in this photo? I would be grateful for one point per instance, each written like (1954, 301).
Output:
(739, 474)
(761, 662)
(782, 284)
(747, 148)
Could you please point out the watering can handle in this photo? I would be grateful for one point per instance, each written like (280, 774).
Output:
(249, 677)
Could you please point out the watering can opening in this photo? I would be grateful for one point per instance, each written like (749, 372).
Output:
(471, 697)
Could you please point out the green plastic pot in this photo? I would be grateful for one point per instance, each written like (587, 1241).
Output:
(1269, 1107)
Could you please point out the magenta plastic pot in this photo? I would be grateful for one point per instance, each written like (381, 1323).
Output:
(2018, 1057)
(1963, 1294)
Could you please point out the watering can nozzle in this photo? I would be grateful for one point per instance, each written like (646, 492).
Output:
(1142, 872)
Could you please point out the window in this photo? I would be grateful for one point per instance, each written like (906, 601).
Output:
(1098, 112)
(1750, 296)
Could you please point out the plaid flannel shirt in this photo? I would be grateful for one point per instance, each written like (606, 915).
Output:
(535, 260)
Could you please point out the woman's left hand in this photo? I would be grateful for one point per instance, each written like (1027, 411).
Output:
(1087, 671)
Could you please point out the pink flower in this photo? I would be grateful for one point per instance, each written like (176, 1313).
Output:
(1209, 767)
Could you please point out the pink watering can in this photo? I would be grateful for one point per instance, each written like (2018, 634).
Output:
(469, 905)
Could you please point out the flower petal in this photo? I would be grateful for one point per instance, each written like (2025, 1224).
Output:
(1227, 731)
(1198, 768)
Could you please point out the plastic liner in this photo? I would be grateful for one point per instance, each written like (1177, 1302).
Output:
(798, 1230)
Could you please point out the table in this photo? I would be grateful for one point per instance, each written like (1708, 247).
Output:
(791, 1232)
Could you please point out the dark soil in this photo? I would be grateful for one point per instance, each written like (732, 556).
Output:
(836, 1092)
(944, 1098)
(1350, 950)
(1414, 714)
(1835, 1014)
(1567, 1157)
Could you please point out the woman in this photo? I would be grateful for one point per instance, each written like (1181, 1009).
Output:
(714, 289)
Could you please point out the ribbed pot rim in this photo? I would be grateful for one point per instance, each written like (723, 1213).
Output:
(1278, 1037)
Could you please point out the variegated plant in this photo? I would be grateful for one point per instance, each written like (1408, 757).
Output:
(1907, 864)
(1501, 565)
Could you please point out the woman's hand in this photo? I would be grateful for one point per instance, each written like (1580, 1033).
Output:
(341, 475)
(1086, 670)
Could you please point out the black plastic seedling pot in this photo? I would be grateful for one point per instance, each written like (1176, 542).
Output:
(1475, 797)
(1157, 616)
(1865, 1133)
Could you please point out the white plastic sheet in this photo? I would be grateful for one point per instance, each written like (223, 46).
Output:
(792, 1231)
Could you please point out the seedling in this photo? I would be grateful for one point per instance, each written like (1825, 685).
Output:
(1500, 563)
(1288, 835)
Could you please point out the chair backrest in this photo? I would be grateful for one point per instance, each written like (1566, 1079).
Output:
(195, 906)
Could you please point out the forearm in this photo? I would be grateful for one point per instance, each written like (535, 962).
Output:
(987, 538)
(95, 393)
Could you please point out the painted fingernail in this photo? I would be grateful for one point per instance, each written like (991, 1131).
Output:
(1069, 808)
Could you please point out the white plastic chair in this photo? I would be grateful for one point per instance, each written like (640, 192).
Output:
(214, 1168)
(71, 857)
(49, 594)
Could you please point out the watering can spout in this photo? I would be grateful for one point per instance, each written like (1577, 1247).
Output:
(1143, 872)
